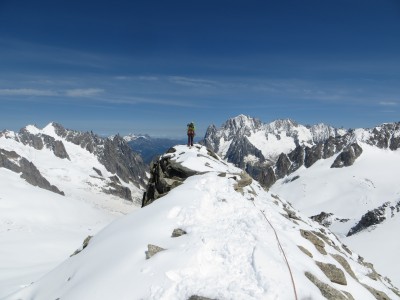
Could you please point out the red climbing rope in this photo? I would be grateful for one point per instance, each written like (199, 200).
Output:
(283, 252)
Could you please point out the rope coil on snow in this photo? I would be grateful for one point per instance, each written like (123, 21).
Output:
(281, 248)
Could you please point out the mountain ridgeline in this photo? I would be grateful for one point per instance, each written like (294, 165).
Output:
(34, 151)
(271, 151)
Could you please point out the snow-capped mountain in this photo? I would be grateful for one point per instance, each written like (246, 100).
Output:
(132, 137)
(246, 141)
(60, 156)
(346, 149)
(208, 231)
(58, 186)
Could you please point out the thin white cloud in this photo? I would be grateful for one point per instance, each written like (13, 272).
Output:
(388, 103)
(90, 92)
(192, 82)
(134, 100)
(148, 78)
(27, 92)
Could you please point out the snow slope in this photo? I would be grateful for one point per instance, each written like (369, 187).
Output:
(39, 228)
(230, 250)
(349, 193)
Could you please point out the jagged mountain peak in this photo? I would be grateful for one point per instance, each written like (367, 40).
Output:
(255, 142)
(241, 124)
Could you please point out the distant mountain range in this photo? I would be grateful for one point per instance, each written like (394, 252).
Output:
(50, 156)
(63, 185)
(150, 147)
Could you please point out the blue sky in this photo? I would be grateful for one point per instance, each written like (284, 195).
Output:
(153, 66)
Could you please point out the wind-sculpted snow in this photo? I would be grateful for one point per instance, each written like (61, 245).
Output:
(217, 235)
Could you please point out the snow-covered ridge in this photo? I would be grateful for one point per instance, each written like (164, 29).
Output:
(217, 235)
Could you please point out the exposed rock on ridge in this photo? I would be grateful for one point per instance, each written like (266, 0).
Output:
(115, 154)
(43, 140)
(12, 161)
(375, 217)
(165, 174)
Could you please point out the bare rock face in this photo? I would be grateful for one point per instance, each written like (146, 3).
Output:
(322, 218)
(348, 156)
(12, 161)
(115, 154)
(340, 259)
(318, 243)
(195, 297)
(304, 156)
(379, 295)
(178, 232)
(238, 146)
(334, 274)
(385, 136)
(152, 250)
(84, 245)
(372, 217)
(327, 291)
(165, 174)
(42, 140)
(282, 166)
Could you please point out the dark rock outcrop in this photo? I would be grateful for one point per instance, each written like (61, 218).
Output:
(238, 147)
(195, 297)
(348, 156)
(43, 140)
(385, 136)
(115, 154)
(322, 218)
(334, 274)
(178, 232)
(84, 245)
(12, 161)
(118, 190)
(152, 250)
(372, 217)
(165, 174)
(327, 291)
(316, 241)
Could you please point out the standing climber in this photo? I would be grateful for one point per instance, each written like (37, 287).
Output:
(190, 133)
